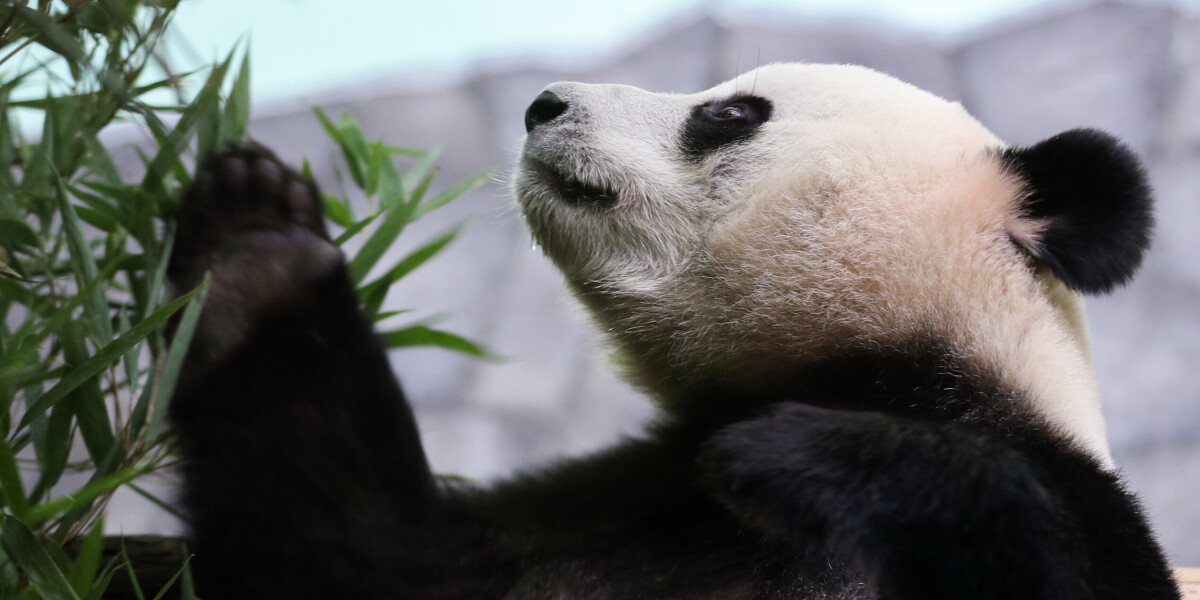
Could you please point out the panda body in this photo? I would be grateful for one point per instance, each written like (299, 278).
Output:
(856, 307)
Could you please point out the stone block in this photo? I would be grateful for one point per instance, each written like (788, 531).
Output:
(897, 53)
(1105, 66)
(1179, 130)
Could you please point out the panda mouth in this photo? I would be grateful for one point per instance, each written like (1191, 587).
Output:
(569, 187)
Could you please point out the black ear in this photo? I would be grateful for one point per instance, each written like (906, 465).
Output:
(1089, 194)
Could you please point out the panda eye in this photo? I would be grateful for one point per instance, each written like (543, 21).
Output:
(733, 111)
(719, 123)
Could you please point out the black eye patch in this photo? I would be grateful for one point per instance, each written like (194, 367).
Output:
(723, 122)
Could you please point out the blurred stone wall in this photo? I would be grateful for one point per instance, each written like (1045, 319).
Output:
(1132, 70)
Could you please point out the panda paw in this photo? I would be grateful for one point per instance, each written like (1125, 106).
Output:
(255, 227)
(243, 191)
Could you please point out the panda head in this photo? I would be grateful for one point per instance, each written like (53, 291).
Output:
(800, 211)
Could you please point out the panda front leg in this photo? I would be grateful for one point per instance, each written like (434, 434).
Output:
(927, 510)
(303, 472)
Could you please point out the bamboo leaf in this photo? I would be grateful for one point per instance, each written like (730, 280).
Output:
(174, 361)
(86, 401)
(421, 335)
(378, 288)
(389, 228)
(7, 271)
(70, 514)
(353, 229)
(171, 145)
(111, 210)
(84, 265)
(352, 147)
(389, 314)
(405, 151)
(104, 357)
(87, 562)
(187, 589)
(52, 438)
(133, 580)
(163, 504)
(99, 159)
(454, 191)
(12, 491)
(12, 231)
(97, 219)
(337, 210)
(170, 582)
(418, 193)
(421, 169)
(93, 489)
(237, 107)
(20, 545)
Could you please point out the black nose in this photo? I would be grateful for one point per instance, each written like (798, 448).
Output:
(543, 110)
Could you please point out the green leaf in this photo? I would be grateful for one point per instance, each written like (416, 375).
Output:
(404, 151)
(86, 400)
(353, 229)
(237, 107)
(337, 210)
(70, 513)
(133, 580)
(7, 271)
(421, 169)
(163, 504)
(392, 224)
(111, 210)
(12, 491)
(97, 219)
(174, 361)
(172, 144)
(12, 231)
(419, 192)
(93, 489)
(389, 314)
(52, 440)
(99, 160)
(187, 589)
(95, 307)
(421, 335)
(52, 37)
(154, 284)
(350, 139)
(20, 545)
(377, 157)
(170, 582)
(104, 357)
(87, 562)
(100, 585)
(455, 191)
(378, 288)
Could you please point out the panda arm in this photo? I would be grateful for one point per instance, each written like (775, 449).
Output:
(301, 462)
(929, 510)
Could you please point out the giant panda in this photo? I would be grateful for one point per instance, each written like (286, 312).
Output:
(856, 308)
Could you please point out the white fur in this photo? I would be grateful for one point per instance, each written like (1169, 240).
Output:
(864, 212)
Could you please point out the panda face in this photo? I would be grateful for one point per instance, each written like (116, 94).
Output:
(618, 179)
(795, 212)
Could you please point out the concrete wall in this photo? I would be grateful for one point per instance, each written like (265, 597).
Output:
(1134, 71)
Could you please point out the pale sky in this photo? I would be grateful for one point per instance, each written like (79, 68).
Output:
(304, 46)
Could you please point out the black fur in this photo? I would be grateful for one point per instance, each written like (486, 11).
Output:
(903, 476)
(720, 123)
(1091, 193)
